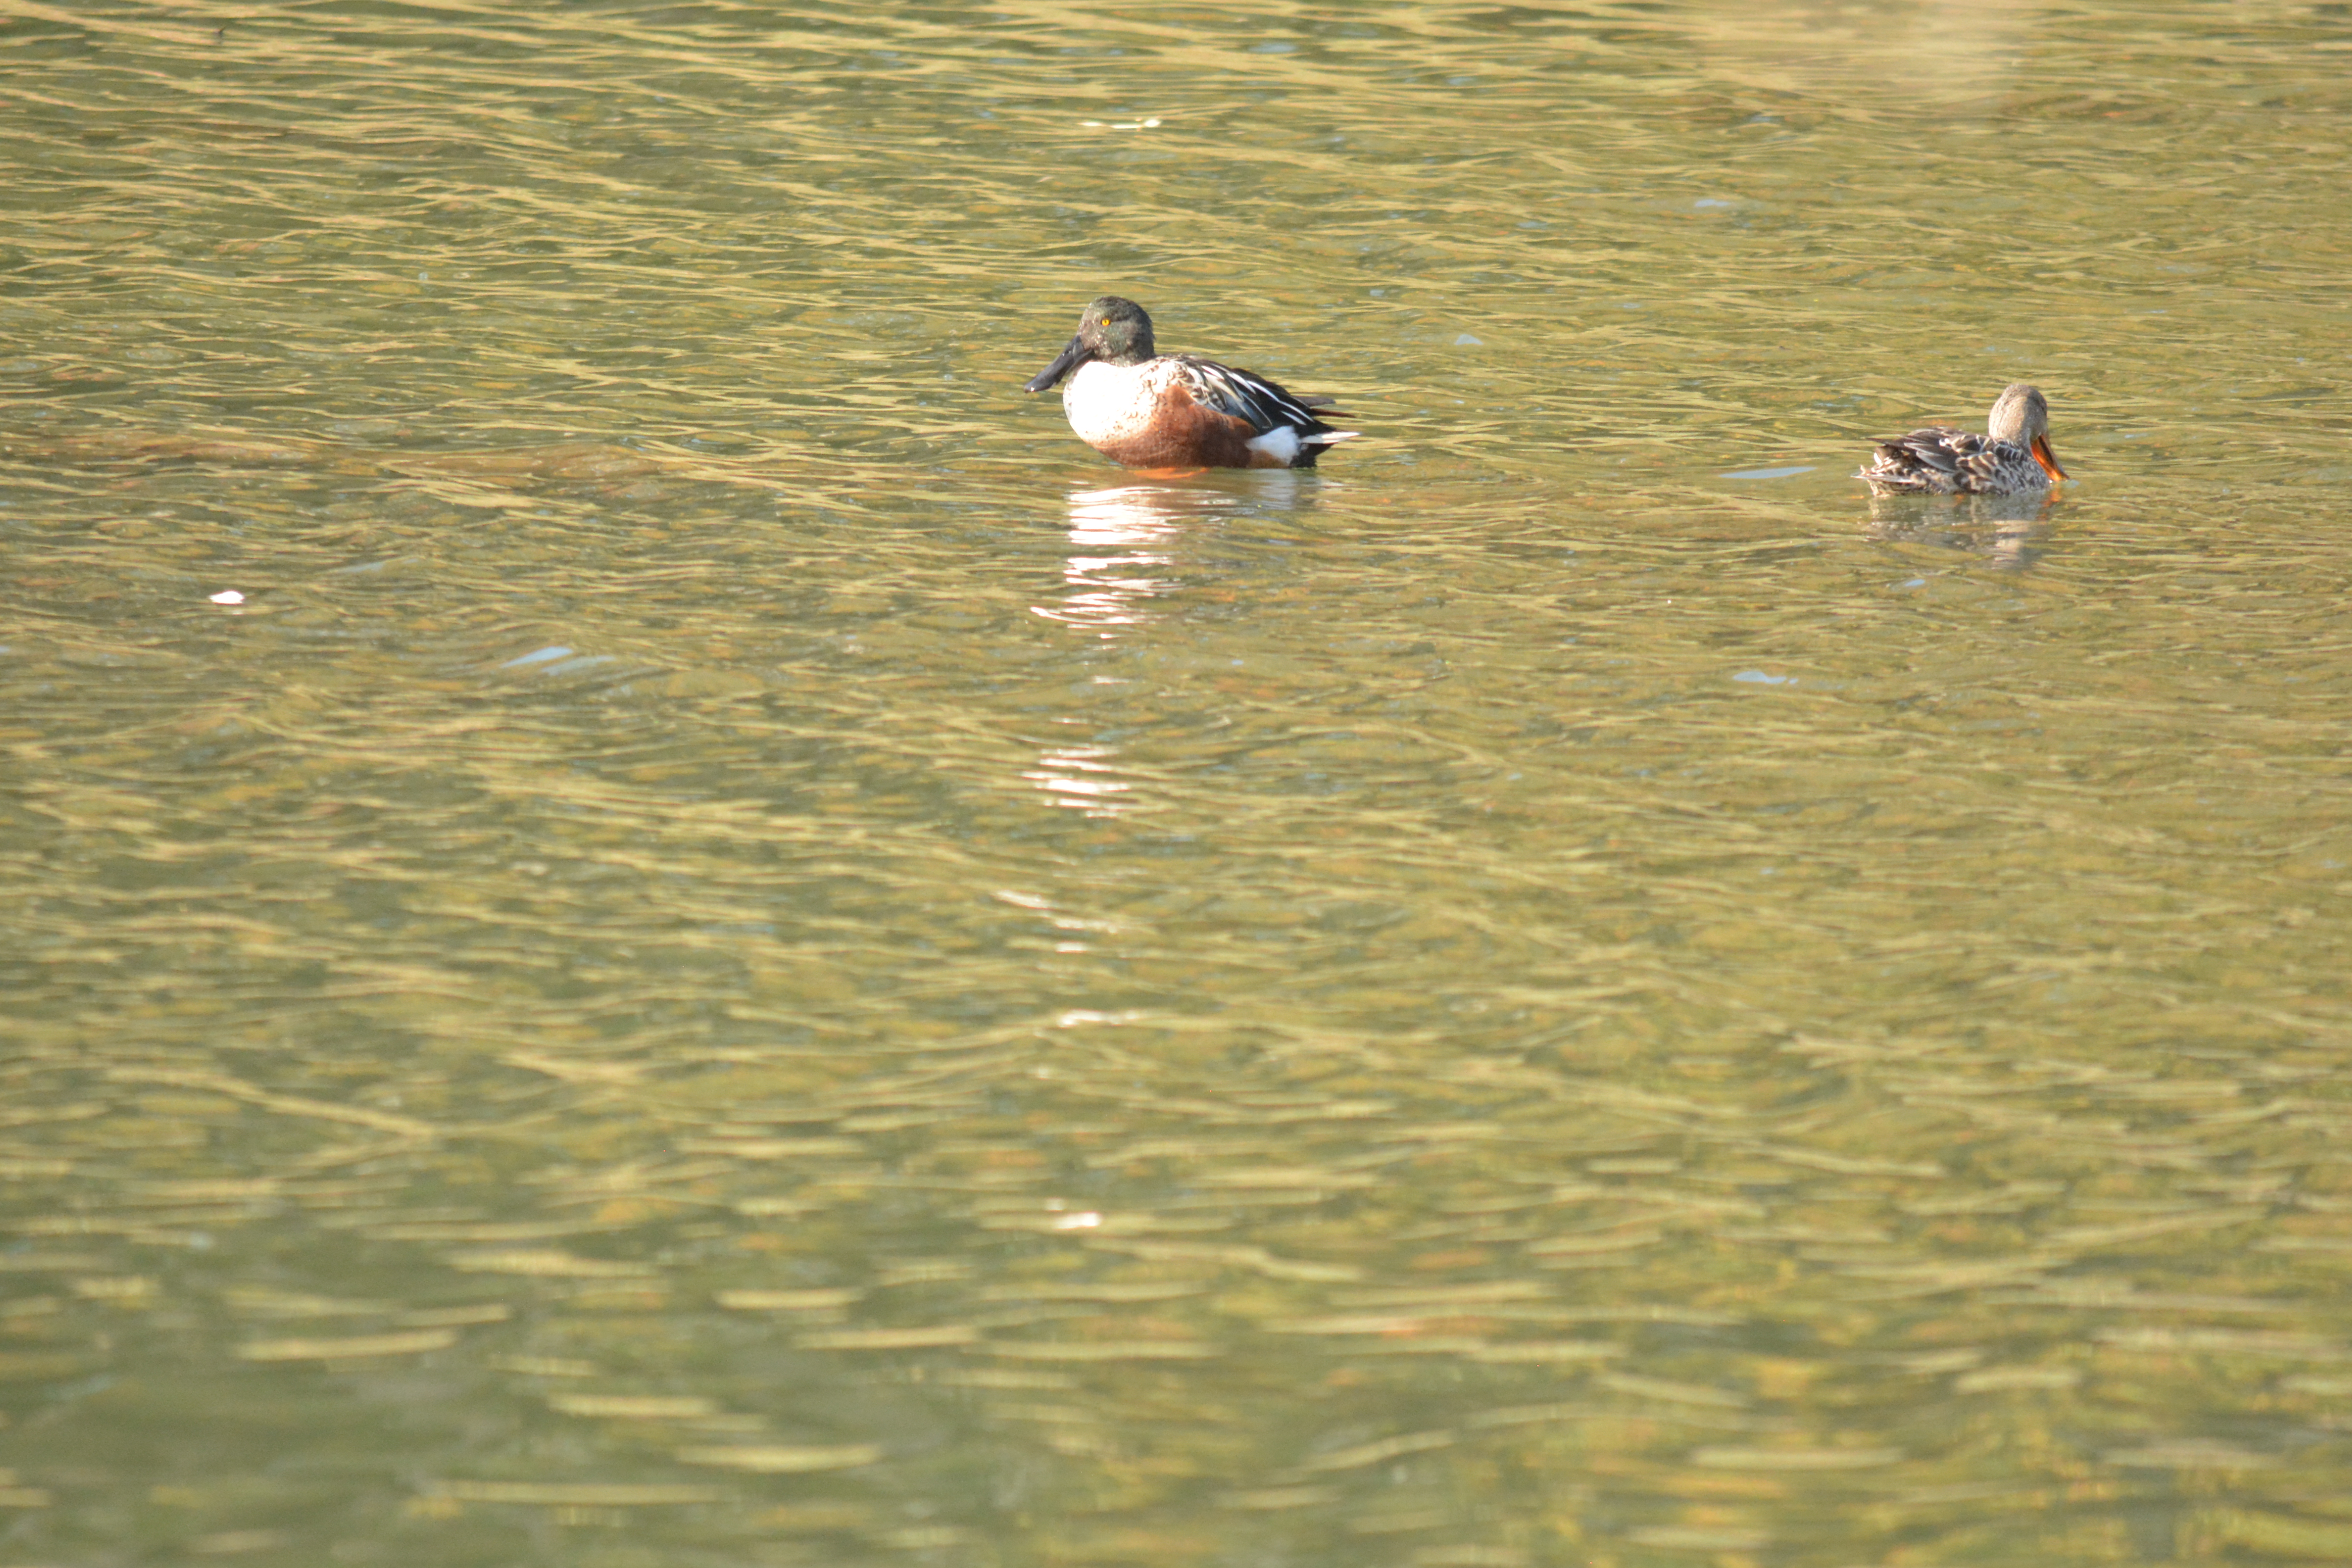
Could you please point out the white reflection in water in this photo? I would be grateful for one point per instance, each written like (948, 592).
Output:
(1081, 778)
(1126, 539)
(1122, 535)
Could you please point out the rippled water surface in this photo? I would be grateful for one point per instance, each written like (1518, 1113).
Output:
(646, 921)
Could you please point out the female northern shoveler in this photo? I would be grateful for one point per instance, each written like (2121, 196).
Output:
(2012, 458)
(1177, 411)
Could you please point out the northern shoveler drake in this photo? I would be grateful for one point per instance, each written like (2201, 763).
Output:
(2012, 458)
(1148, 410)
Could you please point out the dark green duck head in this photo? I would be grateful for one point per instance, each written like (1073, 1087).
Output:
(1113, 330)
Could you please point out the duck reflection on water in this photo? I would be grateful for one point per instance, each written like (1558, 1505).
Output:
(1127, 546)
(1122, 536)
(2011, 532)
(1126, 537)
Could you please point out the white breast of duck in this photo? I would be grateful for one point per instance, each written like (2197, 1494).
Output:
(1112, 405)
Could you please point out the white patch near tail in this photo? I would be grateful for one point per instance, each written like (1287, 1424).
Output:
(1285, 442)
(1281, 443)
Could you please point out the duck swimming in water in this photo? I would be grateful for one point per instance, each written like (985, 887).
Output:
(1149, 410)
(2012, 458)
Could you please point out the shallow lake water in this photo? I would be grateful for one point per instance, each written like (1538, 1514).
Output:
(646, 920)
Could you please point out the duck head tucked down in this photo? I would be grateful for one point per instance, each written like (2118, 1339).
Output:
(2013, 457)
(1148, 410)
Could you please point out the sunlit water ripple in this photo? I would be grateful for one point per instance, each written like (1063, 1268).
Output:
(648, 920)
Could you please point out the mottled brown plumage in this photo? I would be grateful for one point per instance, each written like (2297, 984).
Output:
(2012, 458)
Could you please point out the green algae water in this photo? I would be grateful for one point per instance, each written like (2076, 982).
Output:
(645, 919)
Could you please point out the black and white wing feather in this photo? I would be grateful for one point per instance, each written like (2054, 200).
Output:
(1266, 406)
